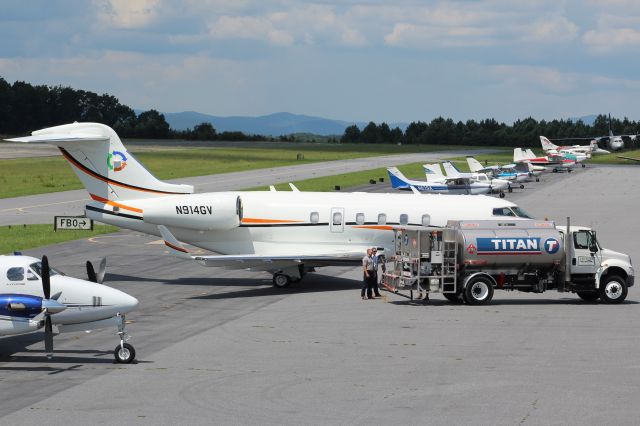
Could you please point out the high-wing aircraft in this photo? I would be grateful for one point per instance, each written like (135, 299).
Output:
(518, 172)
(586, 150)
(287, 233)
(613, 142)
(554, 162)
(35, 296)
(497, 185)
(437, 183)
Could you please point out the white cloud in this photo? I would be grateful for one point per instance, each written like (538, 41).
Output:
(127, 13)
(306, 24)
(551, 29)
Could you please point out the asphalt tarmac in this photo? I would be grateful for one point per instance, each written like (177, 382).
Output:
(225, 347)
(42, 208)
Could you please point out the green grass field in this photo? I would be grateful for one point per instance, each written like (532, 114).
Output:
(18, 238)
(613, 157)
(28, 176)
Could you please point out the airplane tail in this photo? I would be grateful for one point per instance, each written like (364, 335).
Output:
(610, 129)
(519, 155)
(547, 145)
(530, 154)
(474, 165)
(450, 169)
(106, 169)
(432, 172)
(398, 180)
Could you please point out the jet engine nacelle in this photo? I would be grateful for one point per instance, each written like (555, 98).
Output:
(221, 211)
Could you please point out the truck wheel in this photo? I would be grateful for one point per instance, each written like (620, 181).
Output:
(453, 297)
(613, 289)
(588, 296)
(479, 291)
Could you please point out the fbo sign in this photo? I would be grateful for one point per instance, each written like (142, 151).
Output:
(73, 222)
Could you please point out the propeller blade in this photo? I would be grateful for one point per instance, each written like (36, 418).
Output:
(46, 281)
(102, 269)
(48, 336)
(91, 273)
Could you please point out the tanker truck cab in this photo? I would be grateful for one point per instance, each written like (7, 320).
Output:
(597, 272)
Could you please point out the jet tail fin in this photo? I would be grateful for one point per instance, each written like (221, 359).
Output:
(103, 164)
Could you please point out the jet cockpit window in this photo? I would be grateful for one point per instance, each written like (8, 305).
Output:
(359, 218)
(15, 274)
(31, 276)
(503, 211)
(520, 213)
(37, 267)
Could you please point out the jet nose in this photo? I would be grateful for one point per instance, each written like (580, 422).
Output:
(127, 303)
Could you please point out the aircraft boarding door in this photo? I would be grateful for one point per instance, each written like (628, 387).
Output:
(586, 253)
(336, 220)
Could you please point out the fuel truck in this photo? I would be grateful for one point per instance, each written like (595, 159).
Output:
(467, 261)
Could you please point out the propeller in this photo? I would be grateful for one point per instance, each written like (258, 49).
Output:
(46, 289)
(99, 276)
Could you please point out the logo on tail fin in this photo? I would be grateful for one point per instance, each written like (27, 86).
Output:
(116, 164)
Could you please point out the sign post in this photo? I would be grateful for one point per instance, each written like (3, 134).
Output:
(72, 222)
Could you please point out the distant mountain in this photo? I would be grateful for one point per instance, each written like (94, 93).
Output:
(281, 123)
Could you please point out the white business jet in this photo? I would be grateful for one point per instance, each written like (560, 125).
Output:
(286, 233)
(586, 150)
(497, 185)
(34, 296)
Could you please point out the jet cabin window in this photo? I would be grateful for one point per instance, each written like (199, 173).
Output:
(382, 219)
(337, 218)
(15, 274)
(404, 219)
(360, 219)
(314, 217)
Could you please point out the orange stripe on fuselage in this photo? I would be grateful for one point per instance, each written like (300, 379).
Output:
(256, 220)
(378, 227)
(113, 203)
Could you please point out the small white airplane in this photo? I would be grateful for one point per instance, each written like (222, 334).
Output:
(286, 233)
(518, 172)
(437, 183)
(497, 185)
(34, 296)
(586, 150)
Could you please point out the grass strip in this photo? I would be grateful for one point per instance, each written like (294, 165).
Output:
(23, 237)
(29, 176)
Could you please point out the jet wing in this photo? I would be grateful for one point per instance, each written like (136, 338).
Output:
(262, 262)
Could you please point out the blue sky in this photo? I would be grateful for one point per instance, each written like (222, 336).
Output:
(351, 60)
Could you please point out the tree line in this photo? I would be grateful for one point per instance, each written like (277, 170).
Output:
(525, 132)
(25, 107)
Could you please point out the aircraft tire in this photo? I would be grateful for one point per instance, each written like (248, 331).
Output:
(125, 354)
(502, 195)
(281, 280)
(521, 186)
(588, 296)
(537, 179)
(613, 289)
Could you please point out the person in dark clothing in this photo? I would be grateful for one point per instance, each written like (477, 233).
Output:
(367, 276)
(374, 280)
